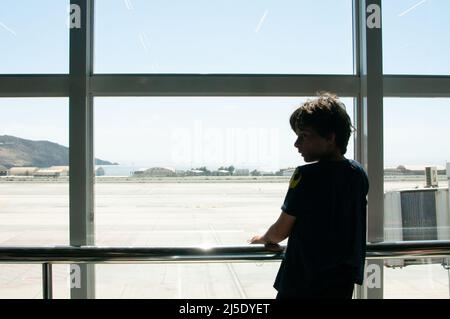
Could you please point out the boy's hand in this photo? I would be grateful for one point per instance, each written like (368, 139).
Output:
(257, 240)
(269, 246)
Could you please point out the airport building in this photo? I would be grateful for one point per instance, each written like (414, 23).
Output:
(3, 170)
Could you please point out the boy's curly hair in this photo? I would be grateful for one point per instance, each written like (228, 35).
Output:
(325, 114)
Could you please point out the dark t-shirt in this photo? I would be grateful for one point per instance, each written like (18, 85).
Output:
(328, 199)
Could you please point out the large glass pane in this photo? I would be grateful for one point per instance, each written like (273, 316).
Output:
(34, 159)
(34, 36)
(415, 175)
(174, 185)
(34, 187)
(189, 165)
(22, 281)
(204, 36)
(417, 279)
(416, 201)
(203, 280)
(416, 37)
(416, 192)
(416, 197)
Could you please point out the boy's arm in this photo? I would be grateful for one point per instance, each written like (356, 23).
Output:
(278, 232)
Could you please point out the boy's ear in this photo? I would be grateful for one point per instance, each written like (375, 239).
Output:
(331, 137)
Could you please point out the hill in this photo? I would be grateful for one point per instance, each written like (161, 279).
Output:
(15, 151)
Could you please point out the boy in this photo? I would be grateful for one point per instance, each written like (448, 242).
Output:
(324, 211)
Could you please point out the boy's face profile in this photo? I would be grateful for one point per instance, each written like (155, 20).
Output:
(312, 146)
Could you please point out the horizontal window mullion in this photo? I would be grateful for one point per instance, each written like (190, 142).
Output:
(222, 85)
(34, 85)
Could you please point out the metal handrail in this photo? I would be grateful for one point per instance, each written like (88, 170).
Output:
(136, 254)
(49, 255)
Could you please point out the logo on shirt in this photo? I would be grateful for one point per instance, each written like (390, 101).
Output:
(296, 177)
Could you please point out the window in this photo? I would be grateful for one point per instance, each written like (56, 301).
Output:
(34, 36)
(34, 200)
(34, 188)
(422, 279)
(413, 140)
(223, 37)
(184, 280)
(413, 128)
(143, 202)
(24, 281)
(416, 37)
(192, 170)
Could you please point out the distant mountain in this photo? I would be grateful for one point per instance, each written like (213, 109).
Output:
(16, 151)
